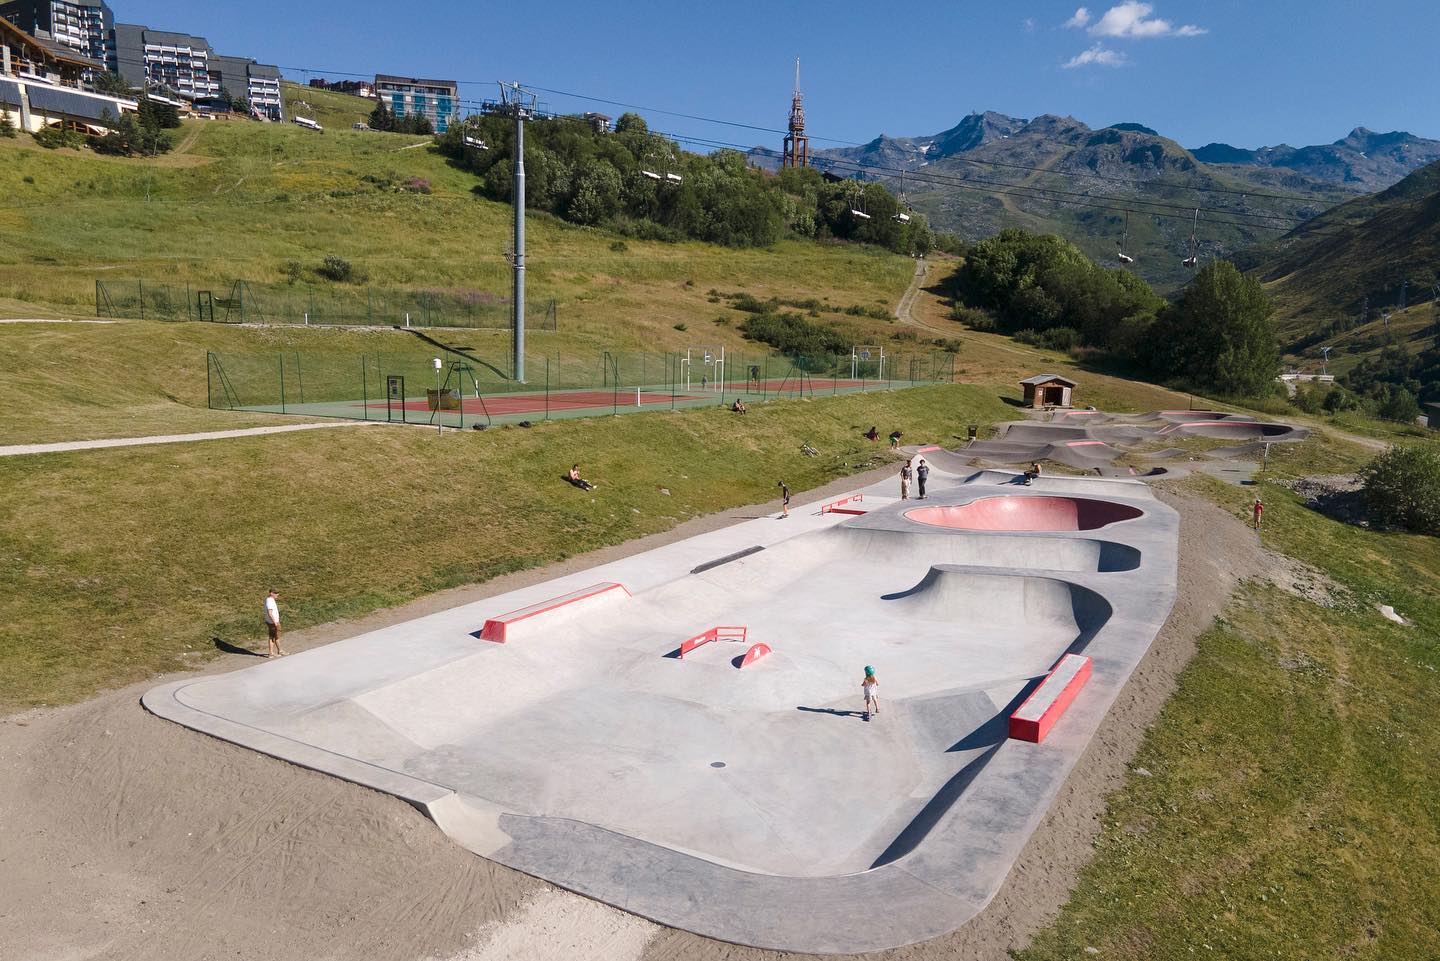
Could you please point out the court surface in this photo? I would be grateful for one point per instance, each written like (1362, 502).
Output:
(752, 804)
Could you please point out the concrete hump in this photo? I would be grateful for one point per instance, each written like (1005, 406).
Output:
(1004, 602)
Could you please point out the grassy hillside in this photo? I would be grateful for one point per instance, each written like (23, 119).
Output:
(329, 108)
(1321, 272)
(243, 200)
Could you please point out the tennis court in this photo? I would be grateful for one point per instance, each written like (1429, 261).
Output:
(462, 390)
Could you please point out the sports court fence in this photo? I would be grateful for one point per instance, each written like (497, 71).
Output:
(465, 390)
(243, 302)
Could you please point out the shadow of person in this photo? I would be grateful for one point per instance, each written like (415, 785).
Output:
(833, 711)
(226, 647)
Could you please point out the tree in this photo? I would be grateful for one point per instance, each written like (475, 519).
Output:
(381, 118)
(1220, 334)
(160, 116)
(631, 123)
(1399, 405)
(1402, 487)
(7, 126)
(111, 83)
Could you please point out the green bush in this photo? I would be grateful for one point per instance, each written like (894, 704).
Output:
(336, 269)
(7, 126)
(1402, 488)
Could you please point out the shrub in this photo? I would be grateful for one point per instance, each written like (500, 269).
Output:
(292, 270)
(417, 185)
(1339, 399)
(1400, 405)
(973, 318)
(681, 326)
(904, 336)
(1402, 487)
(56, 136)
(336, 269)
(619, 246)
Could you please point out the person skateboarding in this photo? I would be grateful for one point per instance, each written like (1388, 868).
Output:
(870, 687)
(922, 474)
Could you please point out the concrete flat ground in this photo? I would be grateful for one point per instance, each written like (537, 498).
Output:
(753, 805)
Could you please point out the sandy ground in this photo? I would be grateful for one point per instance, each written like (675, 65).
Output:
(123, 836)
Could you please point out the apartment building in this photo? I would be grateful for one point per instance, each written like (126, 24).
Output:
(177, 61)
(437, 99)
(81, 25)
(258, 83)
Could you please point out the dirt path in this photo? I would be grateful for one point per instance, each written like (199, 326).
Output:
(904, 310)
(123, 836)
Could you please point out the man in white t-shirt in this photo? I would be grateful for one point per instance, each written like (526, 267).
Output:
(272, 622)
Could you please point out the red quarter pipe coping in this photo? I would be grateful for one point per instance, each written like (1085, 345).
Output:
(733, 633)
(498, 629)
(1014, 512)
(754, 654)
(1046, 703)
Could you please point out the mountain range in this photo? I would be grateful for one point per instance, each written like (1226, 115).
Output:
(1057, 175)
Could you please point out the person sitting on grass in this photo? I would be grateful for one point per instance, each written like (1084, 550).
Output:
(739, 406)
(873, 434)
(579, 481)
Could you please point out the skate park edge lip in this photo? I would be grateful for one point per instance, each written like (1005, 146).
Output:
(960, 855)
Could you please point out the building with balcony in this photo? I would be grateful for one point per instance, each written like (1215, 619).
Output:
(158, 58)
(259, 83)
(44, 83)
(81, 25)
(437, 99)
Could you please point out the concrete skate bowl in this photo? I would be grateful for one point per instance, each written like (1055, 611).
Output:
(1238, 430)
(1025, 603)
(983, 549)
(1013, 512)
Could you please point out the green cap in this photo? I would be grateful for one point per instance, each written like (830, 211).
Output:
(869, 670)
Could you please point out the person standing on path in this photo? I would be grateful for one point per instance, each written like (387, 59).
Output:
(272, 622)
(784, 500)
(905, 481)
(870, 687)
(922, 474)
(1258, 510)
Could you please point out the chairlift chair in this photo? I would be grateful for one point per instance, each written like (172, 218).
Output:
(1194, 259)
(673, 178)
(476, 143)
(900, 213)
(1124, 257)
(651, 174)
(857, 207)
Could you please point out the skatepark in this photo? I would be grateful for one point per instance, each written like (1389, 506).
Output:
(680, 733)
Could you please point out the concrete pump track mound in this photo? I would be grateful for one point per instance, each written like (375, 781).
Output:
(1094, 440)
(739, 795)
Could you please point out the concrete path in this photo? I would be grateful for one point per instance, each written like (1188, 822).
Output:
(16, 450)
(53, 320)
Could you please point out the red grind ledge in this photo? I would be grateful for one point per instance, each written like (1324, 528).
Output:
(497, 629)
(1046, 703)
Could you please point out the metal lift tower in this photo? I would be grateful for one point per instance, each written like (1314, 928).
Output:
(797, 144)
(518, 103)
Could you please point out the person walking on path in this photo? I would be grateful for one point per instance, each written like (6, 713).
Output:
(1258, 510)
(922, 474)
(784, 500)
(905, 473)
(870, 687)
(272, 622)
(895, 436)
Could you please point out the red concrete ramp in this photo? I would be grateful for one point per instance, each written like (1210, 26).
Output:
(505, 627)
(1015, 512)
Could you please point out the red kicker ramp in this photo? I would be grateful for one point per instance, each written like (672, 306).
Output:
(544, 615)
(1046, 703)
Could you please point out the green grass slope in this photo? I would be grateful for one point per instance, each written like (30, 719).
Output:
(329, 108)
(1322, 271)
(242, 200)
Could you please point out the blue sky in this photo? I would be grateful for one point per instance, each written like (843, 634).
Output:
(1248, 73)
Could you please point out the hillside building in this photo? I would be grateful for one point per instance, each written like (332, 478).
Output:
(437, 99)
(258, 83)
(44, 83)
(82, 25)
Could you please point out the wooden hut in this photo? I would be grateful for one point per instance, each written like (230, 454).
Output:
(1048, 390)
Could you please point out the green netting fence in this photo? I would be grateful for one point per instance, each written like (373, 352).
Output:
(240, 302)
(468, 390)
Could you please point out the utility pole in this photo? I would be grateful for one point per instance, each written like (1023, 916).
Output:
(1403, 285)
(1365, 311)
(518, 103)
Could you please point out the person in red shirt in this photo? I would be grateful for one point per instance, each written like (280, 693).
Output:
(1258, 510)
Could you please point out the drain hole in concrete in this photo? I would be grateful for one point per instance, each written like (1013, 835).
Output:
(717, 763)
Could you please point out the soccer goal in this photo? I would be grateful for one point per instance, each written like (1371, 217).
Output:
(703, 368)
(868, 362)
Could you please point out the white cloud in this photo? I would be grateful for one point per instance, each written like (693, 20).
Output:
(1098, 56)
(1029, 24)
(1082, 17)
(1132, 19)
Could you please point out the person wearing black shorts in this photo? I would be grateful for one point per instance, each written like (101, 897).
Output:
(784, 500)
